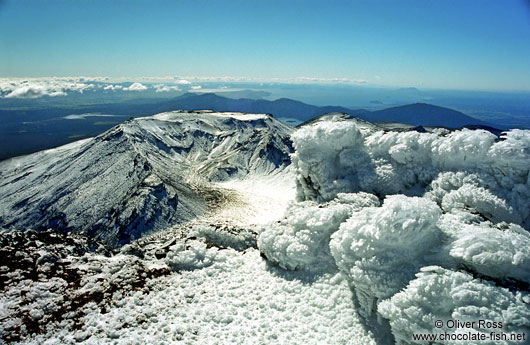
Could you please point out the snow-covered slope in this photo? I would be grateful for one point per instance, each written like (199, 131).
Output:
(141, 176)
(184, 291)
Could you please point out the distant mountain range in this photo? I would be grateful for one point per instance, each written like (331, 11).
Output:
(419, 114)
(422, 114)
(28, 130)
(283, 107)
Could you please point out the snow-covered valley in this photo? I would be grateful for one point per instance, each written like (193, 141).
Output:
(213, 228)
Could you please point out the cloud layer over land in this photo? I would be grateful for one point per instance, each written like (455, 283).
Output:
(30, 88)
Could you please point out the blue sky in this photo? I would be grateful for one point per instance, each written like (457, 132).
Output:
(428, 44)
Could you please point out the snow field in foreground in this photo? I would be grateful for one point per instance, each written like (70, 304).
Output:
(236, 299)
(455, 200)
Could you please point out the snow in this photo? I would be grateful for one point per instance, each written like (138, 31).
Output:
(457, 200)
(317, 159)
(301, 239)
(381, 248)
(498, 253)
(136, 87)
(191, 255)
(266, 197)
(440, 294)
(237, 299)
(337, 156)
(174, 116)
(369, 237)
(212, 296)
(243, 117)
(479, 193)
(141, 176)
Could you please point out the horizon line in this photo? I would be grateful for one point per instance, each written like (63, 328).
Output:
(333, 81)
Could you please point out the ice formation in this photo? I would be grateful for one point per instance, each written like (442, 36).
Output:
(440, 294)
(340, 156)
(381, 248)
(301, 239)
(191, 255)
(457, 200)
(500, 253)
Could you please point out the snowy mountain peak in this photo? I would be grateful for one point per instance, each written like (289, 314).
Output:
(141, 176)
(178, 115)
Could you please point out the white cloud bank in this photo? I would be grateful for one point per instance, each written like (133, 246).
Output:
(166, 88)
(33, 91)
(61, 86)
(112, 87)
(39, 87)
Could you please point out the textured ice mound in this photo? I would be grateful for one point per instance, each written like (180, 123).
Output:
(497, 253)
(381, 248)
(438, 294)
(482, 194)
(333, 157)
(457, 201)
(191, 255)
(301, 239)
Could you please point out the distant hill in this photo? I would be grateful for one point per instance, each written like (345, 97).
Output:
(283, 107)
(419, 114)
(250, 94)
(422, 114)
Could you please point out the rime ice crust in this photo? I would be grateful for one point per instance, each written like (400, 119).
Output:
(457, 200)
(440, 294)
(337, 156)
(300, 240)
(321, 170)
(498, 252)
(381, 248)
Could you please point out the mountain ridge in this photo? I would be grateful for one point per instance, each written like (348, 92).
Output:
(282, 107)
(417, 114)
(141, 176)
